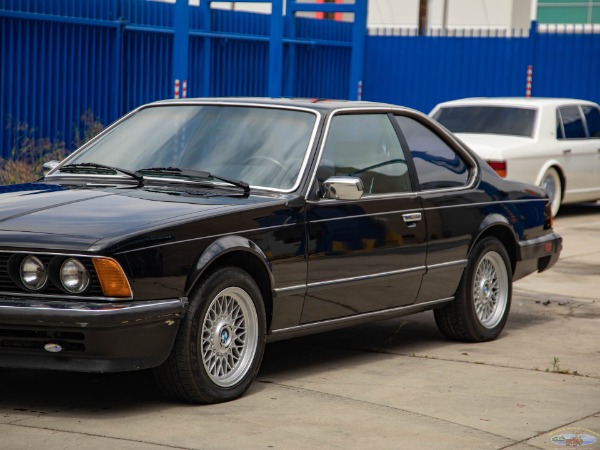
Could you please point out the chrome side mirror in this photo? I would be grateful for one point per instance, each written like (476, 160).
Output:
(343, 188)
(50, 165)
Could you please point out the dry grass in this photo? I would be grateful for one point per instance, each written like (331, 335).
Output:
(27, 159)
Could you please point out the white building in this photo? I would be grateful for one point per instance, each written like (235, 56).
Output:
(402, 16)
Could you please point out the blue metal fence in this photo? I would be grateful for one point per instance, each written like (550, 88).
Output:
(421, 71)
(60, 59)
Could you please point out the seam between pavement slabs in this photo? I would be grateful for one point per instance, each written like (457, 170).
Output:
(16, 424)
(379, 405)
(549, 372)
(524, 441)
(435, 358)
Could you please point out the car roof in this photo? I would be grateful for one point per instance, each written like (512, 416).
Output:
(309, 103)
(515, 101)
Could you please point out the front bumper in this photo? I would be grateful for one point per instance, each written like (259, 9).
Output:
(537, 255)
(92, 336)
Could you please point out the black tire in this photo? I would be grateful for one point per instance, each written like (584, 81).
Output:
(220, 342)
(482, 302)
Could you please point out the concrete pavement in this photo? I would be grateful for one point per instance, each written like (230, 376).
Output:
(393, 384)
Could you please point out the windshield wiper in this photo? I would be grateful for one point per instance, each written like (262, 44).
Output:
(197, 174)
(91, 165)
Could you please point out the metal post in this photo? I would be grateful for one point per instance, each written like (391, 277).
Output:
(290, 22)
(206, 48)
(276, 50)
(180, 42)
(359, 31)
(117, 97)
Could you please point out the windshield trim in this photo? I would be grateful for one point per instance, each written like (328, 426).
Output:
(55, 172)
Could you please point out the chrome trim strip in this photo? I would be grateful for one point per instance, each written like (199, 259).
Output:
(498, 202)
(94, 311)
(350, 279)
(299, 287)
(65, 297)
(460, 262)
(386, 213)
(383, 312)
(366, 277)
(363, 199)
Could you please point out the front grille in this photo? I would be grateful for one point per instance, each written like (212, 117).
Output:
(7, 285)
(35, 340)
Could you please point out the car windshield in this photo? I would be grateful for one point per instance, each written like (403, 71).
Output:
(264, 147)
(488, 120)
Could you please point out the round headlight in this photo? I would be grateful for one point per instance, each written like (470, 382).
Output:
(33, 273)
(74, 277)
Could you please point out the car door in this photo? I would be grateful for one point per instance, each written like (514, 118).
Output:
(592, 122)
(579, 153)
(368, 254)
(452, 209)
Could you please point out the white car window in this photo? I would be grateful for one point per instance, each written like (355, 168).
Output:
(572, 122)
(592, 117)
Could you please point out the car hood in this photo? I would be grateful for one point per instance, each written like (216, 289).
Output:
(493, 146)
(38, 211)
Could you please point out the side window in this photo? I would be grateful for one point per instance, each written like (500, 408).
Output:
(592, 117)
(365, 146)
(438, 165)
(559, 130)
(572, 122)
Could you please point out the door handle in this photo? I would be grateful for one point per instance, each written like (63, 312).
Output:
(567, 150)
(411, 217)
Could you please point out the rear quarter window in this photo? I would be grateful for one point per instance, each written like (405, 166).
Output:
(438, 166)
(592, 117)
(572, 122)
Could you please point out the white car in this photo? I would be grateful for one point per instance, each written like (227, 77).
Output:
(550, 142)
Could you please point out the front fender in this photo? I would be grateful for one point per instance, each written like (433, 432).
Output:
(220, 248)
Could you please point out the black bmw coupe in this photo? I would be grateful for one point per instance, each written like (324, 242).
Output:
(190, 233)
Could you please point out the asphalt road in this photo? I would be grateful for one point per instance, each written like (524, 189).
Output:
(394, 384)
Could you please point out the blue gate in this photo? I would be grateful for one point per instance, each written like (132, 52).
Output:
(64, 59)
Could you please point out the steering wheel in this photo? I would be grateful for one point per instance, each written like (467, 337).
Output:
(273, 161)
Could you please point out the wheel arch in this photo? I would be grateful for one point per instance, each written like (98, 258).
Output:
(553, 164)
(236, 251)
(498, 226)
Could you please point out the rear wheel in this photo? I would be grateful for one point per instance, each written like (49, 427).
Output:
(221, 341)
(480, 309)
(552, 184)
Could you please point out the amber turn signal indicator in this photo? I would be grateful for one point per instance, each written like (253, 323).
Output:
(499, 167)
(111, 277)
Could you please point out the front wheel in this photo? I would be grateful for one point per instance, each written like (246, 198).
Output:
(552, 184)
(221, 341)
(480, 309)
